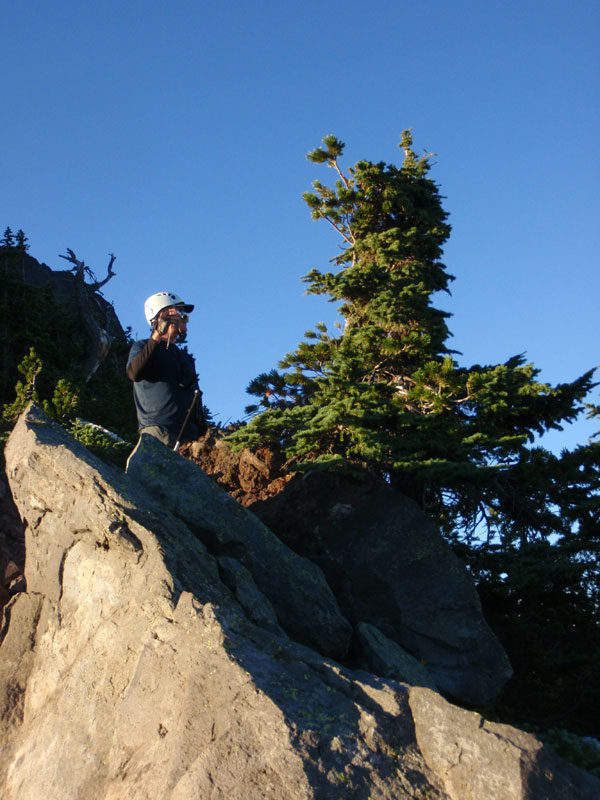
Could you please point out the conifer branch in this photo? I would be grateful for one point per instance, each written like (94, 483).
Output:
(340, 230)
(343, 178)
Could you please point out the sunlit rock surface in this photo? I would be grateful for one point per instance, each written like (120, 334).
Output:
(129, 669)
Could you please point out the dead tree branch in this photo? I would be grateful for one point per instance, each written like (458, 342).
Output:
(98, 339)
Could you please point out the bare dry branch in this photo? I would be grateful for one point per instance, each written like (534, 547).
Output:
(98, 339)
(109, 273)
(81, 268)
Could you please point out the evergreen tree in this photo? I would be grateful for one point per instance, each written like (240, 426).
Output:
(7, 239)
(384, 392)
(21, 241)
(25, 391)
(594, 413)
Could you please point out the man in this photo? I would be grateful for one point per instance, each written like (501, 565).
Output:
(164, 377)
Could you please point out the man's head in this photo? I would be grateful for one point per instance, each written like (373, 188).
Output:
(161, 301)
(165, 309)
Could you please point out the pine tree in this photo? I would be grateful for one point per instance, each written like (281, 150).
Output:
(25, 390)
(21, 241)
(384, 392)
(7, 239)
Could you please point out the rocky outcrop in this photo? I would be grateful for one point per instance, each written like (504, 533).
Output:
(12, 545)
(64, 285)
(389, 566)
(129, 669)
(294, 586)
(385, 657)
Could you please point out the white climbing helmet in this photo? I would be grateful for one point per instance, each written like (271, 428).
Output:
(156, 302)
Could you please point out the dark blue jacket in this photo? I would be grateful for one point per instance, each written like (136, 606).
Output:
(164, 379)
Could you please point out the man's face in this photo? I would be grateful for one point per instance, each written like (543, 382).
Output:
(177, 317)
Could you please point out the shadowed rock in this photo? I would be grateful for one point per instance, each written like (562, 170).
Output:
(386, 658)
(388, 565)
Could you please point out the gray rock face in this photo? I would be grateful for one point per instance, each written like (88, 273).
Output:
(389, 566)
(129, 670)
(296, 588)
(386, 658)
(515, 763)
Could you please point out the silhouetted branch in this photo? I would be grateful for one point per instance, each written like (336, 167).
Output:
(98, 338)
(81, 268)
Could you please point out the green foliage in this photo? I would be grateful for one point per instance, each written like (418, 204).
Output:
(100, 443)
(8, 238)
(48, 332)
(30, 368)
(542, 600)
(42, 324)
(21, 241)
(384, 392)
(63, 408)
(274, 391)
(593, 413)
(581, 751)
(16, 242)
(65, 401)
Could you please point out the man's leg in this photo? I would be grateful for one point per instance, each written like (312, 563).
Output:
(160, 433)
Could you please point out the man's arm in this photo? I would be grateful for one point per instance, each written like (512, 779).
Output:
(136, 366)
(165, 329)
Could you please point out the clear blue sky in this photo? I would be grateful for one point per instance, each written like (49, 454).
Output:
(174, 135)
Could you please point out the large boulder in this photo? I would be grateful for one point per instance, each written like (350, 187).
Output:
(128, 669)
(385, 657)
(295, 587)
(389, 566)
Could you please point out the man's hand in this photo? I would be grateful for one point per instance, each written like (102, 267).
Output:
(166, 326)
(169, 326)
(163, 325)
